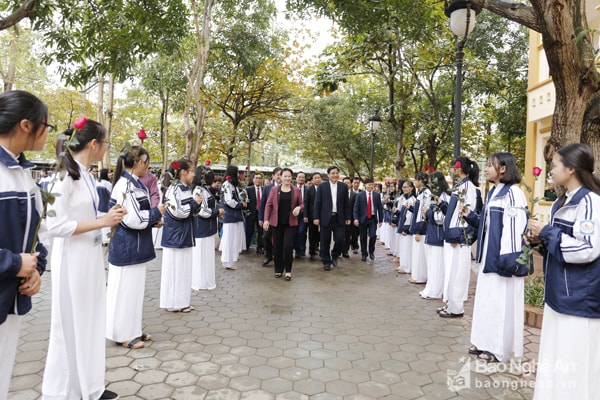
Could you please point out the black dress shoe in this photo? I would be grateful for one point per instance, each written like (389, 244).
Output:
(345, 255)
(313, 257)
(260, 251)
(334, 262)
(372, 256)
(363, 258)
(267, 260)
(108, 395)
(447, 314)
(327, 267)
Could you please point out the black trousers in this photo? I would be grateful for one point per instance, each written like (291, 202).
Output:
(314, 238)
(283, 250)
(251, 226)
(338, 230)
(369, 228)
(268, 241)
(351, 238)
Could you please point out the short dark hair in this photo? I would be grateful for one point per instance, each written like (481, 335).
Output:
(502, 158)
(276, 170)
(347, 178)
(331, 168)
(368, 180)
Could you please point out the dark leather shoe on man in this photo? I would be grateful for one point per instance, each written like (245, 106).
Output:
(334, 262)
(372, 256)
(267, 260)
(260, 251)
(313, 256)
(345, 255)
(363, 258)
(108, 395)
(327, 267)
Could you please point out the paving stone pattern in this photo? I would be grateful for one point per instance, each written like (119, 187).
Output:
(359, 331)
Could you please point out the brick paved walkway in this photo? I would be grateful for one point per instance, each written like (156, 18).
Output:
(358, 332)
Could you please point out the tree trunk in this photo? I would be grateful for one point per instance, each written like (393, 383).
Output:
(571, 64)
(195, 79)
(9, 76)
(109, 117)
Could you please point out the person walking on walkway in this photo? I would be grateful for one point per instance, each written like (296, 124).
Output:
(331, 215)
(368, 216)
(314, 235)
(23, 127)
(268, 233)
(568, 360)
(283, 207)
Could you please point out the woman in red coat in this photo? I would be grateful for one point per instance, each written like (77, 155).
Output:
(284, 204)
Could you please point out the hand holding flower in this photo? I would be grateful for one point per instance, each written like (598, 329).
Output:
(114, 216)
(30, 286)
(28, 265)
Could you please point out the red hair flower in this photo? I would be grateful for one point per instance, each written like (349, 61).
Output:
(142, 134)
(537, 171)
(242, 175)
(207, 163)
(228, 178)
(457, 164)
(80, 123)
(175, 165)
(426, 168)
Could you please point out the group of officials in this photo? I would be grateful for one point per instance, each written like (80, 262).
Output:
(332, 208)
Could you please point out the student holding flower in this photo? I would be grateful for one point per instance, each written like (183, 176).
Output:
(130, 251)
(76, 351)
(458, 238)
(205, 231)
(569, 358)
(23, 127)
(178, 239)
(233, 240)
(498, 312)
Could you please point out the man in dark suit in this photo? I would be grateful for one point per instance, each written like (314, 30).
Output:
(332, 214)
(268, 235)
(309, 205)
(254, 199)
(368, 215)
(351, 230)
(354, 234)
(300, 241)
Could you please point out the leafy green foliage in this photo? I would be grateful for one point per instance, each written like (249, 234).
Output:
(110, 37)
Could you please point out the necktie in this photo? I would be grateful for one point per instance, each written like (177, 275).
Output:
(369, 205)
(257, 198)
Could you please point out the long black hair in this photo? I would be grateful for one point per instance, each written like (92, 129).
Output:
(76, 141)
(204, 176)
(17, 105)
(470, 168)
(580, 158)
(232, 172)
(128, 158)
(438, 183)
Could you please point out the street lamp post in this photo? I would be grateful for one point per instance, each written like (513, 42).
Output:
(374, 123)
(462, 21)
